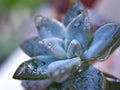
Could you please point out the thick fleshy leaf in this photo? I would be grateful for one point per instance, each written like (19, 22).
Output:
(91, 79)
(103, 40)
(109, 51)
(79, 29)
(105, 55)
(36, 84)
(61, 70)
(48, 27)
(75, 9)
(54, 46)
(74, 49)
(115, 45)
(34, 69)
(32, 48)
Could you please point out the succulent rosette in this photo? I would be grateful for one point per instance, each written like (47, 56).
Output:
(64, 52)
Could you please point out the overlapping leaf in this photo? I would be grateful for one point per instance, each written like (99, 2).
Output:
(32, 48)
(48, 27)
(54, 46)
(61, 70)
(91, 79)
(79, 29)
(74, 49)
(115, 45)
(34, 69)
(103, 39)
(75, 9)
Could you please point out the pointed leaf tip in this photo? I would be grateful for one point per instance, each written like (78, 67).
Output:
(34, 69)
(105, 39)
(38, 21)
(79, 29)
(75, 9)
(49, 27)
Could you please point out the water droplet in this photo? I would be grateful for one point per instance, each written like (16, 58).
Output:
(34, 72)
(84, 79)
(78, 66)
(56, 73)
(49, 46)
(30, 66)
(49, 43)
(77, 23)
(41, 42)
(62, 71)
(38, 20)
(79, 70)
(74, 86)
(61, 24)
(48, 31)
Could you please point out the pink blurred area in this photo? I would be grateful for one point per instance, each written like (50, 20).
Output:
(109, 9)
(110, 66)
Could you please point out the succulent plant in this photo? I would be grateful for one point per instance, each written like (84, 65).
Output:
(64, 52)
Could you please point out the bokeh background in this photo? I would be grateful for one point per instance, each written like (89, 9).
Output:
(14, 15)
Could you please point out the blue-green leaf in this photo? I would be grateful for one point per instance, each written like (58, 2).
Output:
(36, 84)
(61, 70)
(103, 39)
(75, 9)
(74, 49)
(54, 46)
(48, 27)
(109, 51)
(79, 29)
(115, 45)
(34, 69)
(32, 48)
(91, 79)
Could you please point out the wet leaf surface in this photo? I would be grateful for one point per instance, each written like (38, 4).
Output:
(48, 27)
(32, 48)
(79, 29)
(115, 46)
(60, 70)
(75, 9)
(91, 79)
(74, 49)
(34, 69)
(36, 84)
(103, 39)
(55, 47)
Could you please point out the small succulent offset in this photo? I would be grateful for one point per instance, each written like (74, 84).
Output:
(64, 52)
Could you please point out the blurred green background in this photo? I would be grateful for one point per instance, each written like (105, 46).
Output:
(13, 15)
